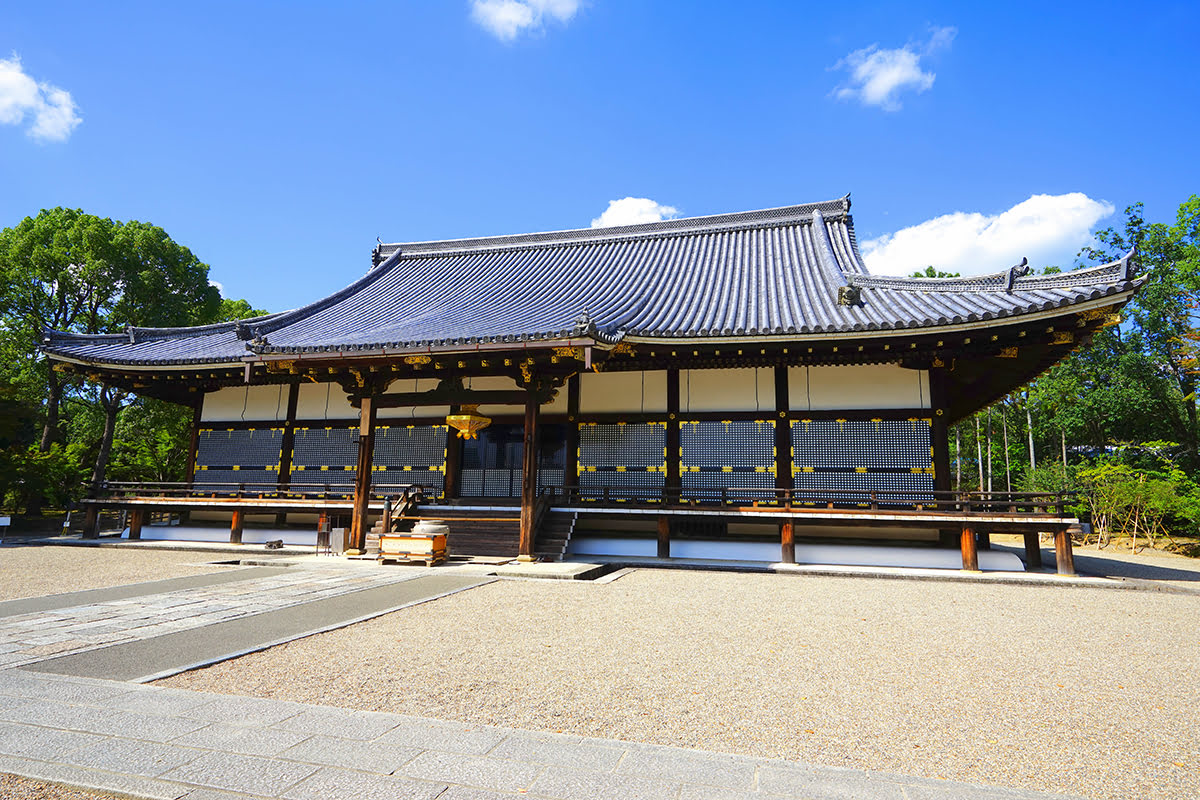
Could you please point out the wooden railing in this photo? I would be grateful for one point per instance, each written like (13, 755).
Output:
(1026, 503)
(250, 490)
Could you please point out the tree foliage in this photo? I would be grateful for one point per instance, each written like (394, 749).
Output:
(67, 270)
(1117, 420)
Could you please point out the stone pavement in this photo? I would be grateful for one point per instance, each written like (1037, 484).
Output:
(156, 742)
(37, 635)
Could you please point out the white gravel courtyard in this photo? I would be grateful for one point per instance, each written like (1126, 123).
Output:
(1088, 691)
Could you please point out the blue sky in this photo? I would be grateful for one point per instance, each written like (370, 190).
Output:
(278, 140)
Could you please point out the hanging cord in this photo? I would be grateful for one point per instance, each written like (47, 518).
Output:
(808, 386)
(328, 388)
(643, 391)
(245, 402)
(757, 407)
(689, 391)
(412, 410)
(279, 401)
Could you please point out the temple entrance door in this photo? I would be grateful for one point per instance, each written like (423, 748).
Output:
(491, 464)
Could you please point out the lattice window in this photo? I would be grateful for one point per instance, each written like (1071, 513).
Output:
(411, 454)
(716, 455)
(628, 457)
(249, 456)
(324, 455)
(852, 458)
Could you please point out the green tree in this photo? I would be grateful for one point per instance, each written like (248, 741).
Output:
(67, 270)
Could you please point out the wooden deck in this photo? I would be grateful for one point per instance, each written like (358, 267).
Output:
(968, 517)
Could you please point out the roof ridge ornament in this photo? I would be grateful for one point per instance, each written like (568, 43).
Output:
(585, 325)
(1014, 272)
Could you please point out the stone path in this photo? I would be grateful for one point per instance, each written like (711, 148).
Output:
(156, 742)
(34, 636)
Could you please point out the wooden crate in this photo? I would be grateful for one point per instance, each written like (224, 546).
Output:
(427, 547)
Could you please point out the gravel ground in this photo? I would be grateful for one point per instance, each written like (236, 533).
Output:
(1089, 691)
(35, 570)
(14, 788)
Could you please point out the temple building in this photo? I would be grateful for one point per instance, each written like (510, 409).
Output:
(727, 386)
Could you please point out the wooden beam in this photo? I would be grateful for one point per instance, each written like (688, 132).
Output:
(91, 521)
(1064, 554)
(1033, 552)
(529, 466)
(571, 468)
(664, 536)
(970, 558)
(783, 432)
(454, 448)
(136, 516)
(359, 522)
(672, 478)
(235, 526)
(194, 442)
(288, 445)
(787, 537)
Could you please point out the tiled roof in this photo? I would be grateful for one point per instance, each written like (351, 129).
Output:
(775, 272)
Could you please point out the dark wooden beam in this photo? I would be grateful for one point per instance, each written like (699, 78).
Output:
(359, 522)
(970, 558)
(1064, 554)
(529, 480)
(787, 537)
(1033, 552)
(571, 468)
(288, 445)
(454, 447)
(664, 536)
(673, 455)
(235, 526)
(783, 431)
(194, 442)
(136, 518)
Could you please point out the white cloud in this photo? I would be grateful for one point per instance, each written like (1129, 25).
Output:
(878, 76)
(51, 112)
(508, 19)
(633, 211)
(1048, 229)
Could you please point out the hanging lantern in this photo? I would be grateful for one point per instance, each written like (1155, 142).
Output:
(468, 421)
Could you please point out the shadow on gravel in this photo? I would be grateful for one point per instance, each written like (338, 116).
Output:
(1114, 568)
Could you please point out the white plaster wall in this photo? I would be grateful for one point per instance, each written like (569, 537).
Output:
(408, 412)
(859, 386)
(621, 392)
(727, 390)
(250, 403)
(311, 402)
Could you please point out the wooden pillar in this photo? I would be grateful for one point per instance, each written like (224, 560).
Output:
(939, 441)
(91, 521)
(235, 526)
(1033, 552)
(970, 559)
(136, 518)
(783, 436)
(1064, 554)
(287, 446)
(787, 536)
(452, 479)
(194, 443)
(360, 520)
(664, 536)
(529, 484)
(571, 468)
(672, 480)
